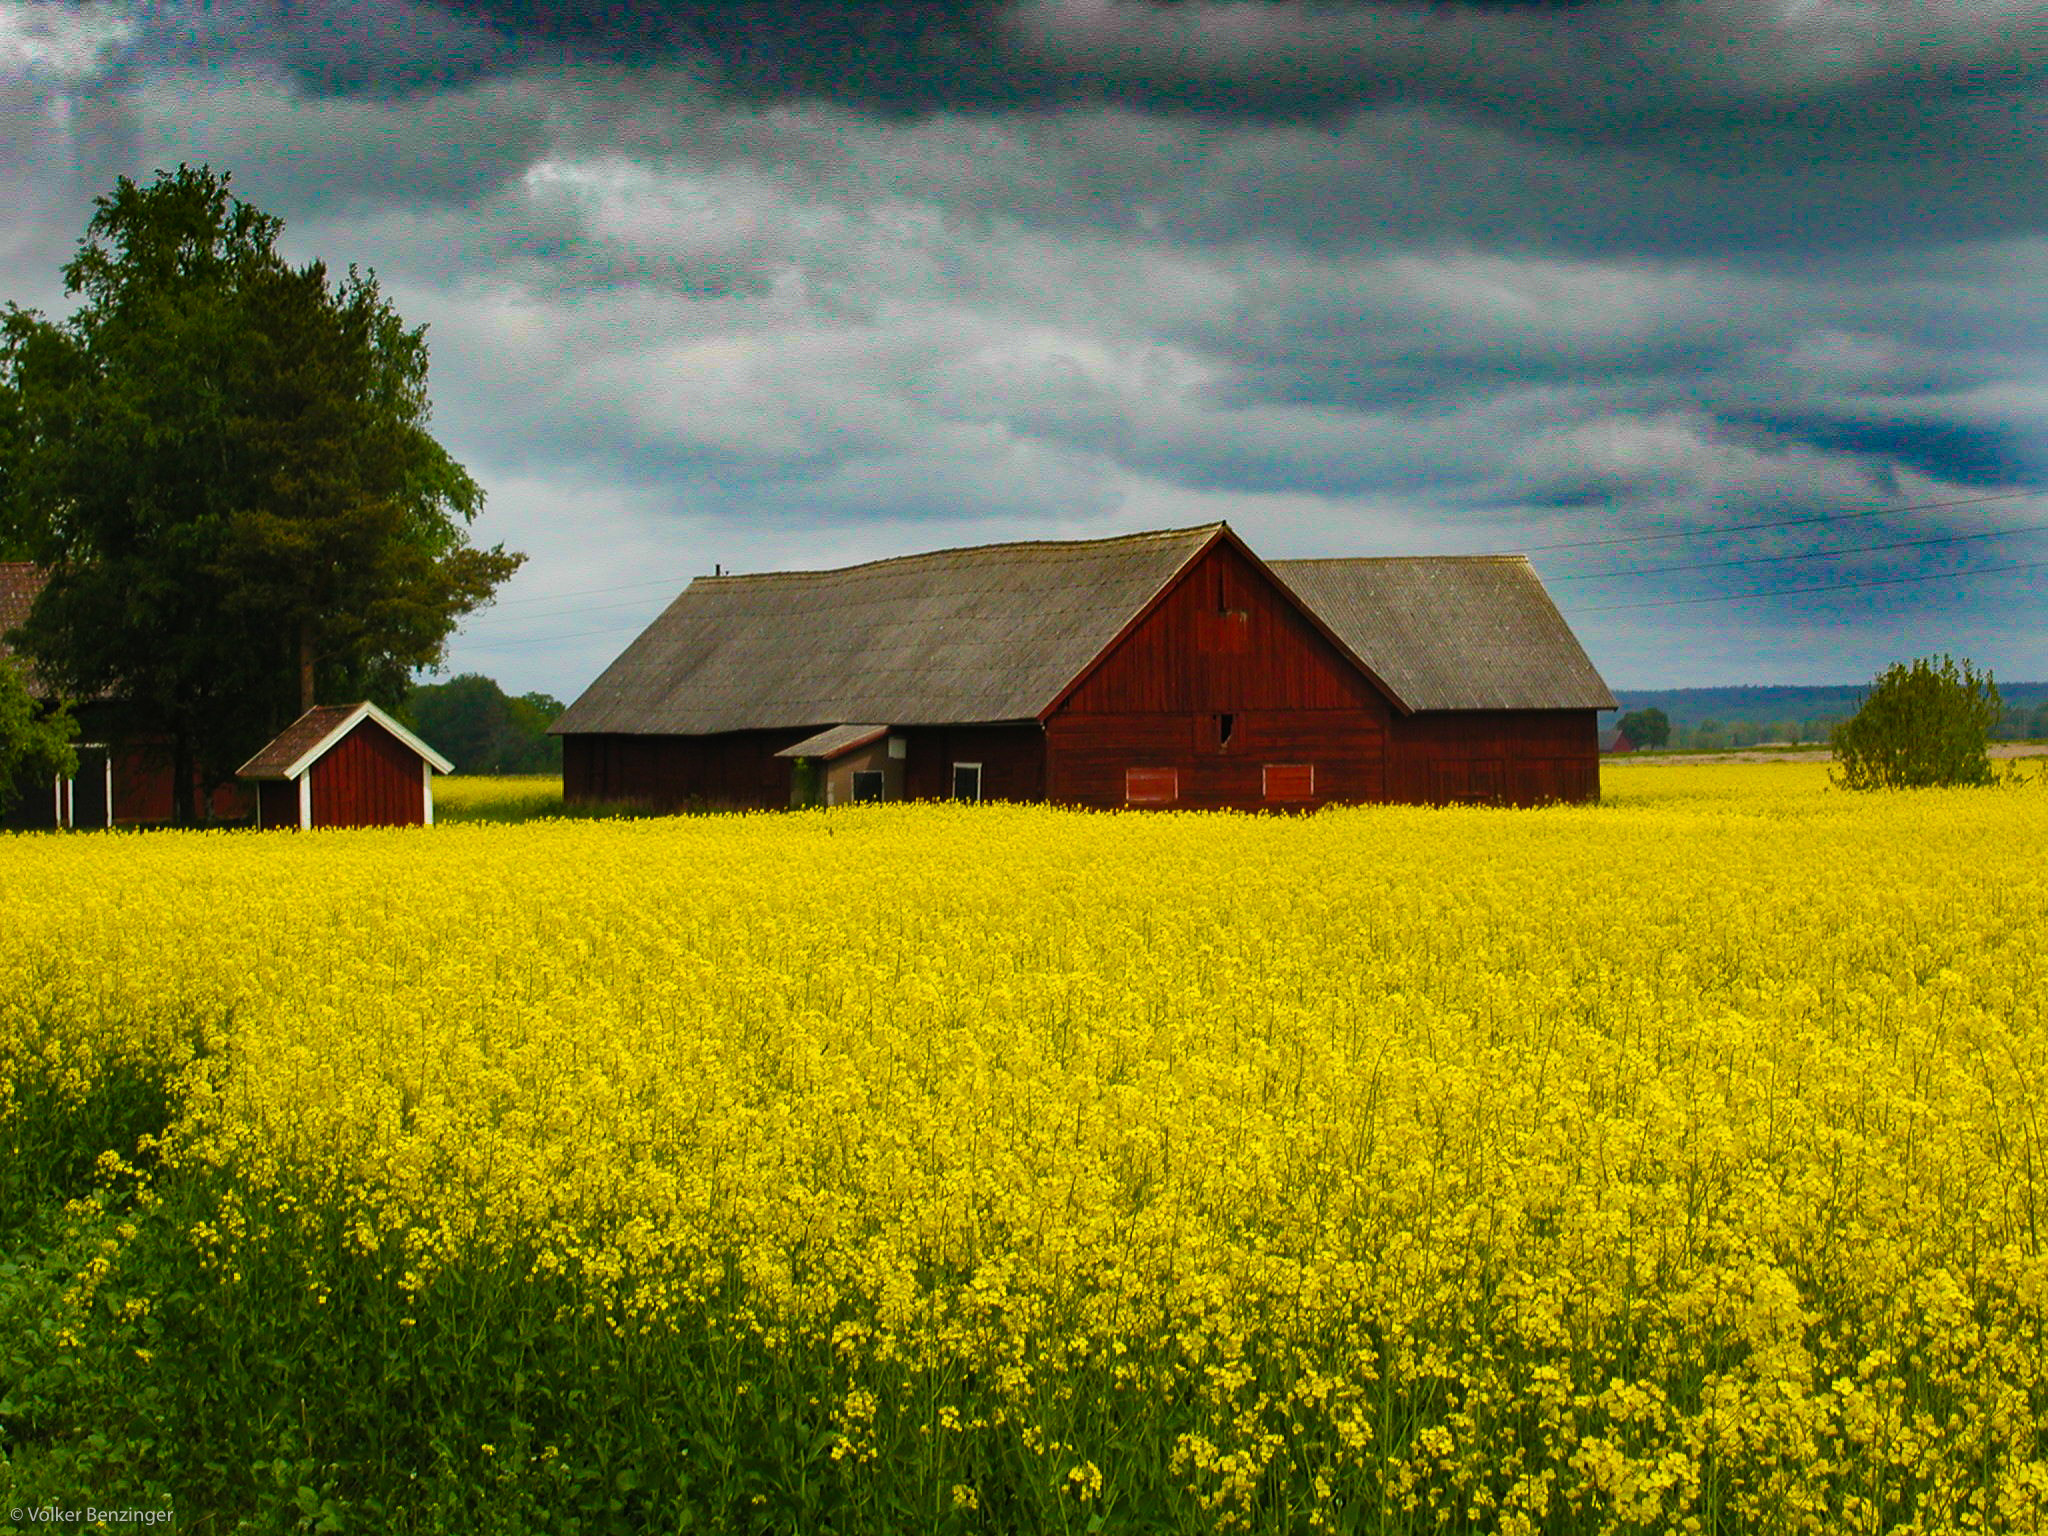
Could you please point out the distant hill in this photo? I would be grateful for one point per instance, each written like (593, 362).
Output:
(1811, 710)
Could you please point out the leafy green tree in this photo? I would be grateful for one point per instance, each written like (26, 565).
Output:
(482, 730)
(224, 462)
(1646, 727)
(35, 744)
(1919, 727)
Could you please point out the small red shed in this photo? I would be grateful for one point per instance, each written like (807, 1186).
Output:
(345, 765)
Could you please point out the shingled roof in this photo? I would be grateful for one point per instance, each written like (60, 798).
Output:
(997, 632)
(1452, 631)
(959, 636)
(20, 581)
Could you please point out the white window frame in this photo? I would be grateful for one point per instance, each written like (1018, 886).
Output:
(953, 789)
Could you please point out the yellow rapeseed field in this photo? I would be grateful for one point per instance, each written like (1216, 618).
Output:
(1673, 1163)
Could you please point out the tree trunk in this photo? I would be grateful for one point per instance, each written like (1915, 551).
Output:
(182, 803)
(307, 698)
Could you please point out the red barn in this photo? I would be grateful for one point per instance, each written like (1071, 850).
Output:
(129, 784)
(345, 765)
(1156, 669)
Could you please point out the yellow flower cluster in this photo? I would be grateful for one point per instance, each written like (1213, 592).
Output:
(1668, 1163)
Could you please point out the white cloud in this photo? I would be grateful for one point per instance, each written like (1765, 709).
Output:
(59, 41)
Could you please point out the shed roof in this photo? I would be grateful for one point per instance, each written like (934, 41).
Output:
(958, 636)
(1453, 631)
(302, 743)
(835, 741)
(20, 582)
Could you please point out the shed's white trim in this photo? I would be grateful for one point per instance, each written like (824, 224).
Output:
(349, 722)
(305, 802)
(427, 789)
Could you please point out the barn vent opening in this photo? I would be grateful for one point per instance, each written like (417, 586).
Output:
(1226, 726)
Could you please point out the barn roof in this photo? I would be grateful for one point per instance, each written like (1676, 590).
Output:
(958, 636)
(1452, 631)
(20, 581)
(302, 743)
(999, 631)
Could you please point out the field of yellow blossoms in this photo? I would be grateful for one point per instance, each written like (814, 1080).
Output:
(1672, 1164)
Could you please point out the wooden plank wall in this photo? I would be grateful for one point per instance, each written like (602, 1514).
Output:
(1012, 759)
(1224, 639)
(368, 779)
(1499, 757)
(737, 770)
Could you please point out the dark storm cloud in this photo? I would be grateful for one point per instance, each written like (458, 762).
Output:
(863, 278)
(1955, 452)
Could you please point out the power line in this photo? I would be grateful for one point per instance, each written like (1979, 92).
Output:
(487, 644)
(1818, 554)
(1845, 586)
(1789, 522)
(675, 582)
(555, 597)
(581, 608)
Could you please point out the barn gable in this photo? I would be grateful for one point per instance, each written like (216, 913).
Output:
(1224, 634)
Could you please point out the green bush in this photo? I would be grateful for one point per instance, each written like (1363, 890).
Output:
(1919, 727)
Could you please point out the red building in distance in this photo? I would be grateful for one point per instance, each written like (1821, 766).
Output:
(1173, 669)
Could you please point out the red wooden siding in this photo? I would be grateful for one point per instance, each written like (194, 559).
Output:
(738, 770)
(142, 790)
(1500, 757)
(1223, 639)
(277, 803)
(1012, 759)
(368, 779)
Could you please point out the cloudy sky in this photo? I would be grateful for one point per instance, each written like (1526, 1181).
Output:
(1687, 300)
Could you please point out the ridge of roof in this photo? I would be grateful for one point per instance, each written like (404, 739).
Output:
(897, 562)
(1397, 560)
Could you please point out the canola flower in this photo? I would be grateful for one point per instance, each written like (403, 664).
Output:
(1674, 1163)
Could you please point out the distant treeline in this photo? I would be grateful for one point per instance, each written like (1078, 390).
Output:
(480, 728)
(1710, 718)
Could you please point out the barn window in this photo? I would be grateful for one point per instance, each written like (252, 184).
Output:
(1290, 781)
(967, 781)
(867, 784)
(1226, 727)
(1151, 786)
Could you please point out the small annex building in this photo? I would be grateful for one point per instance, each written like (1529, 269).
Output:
(345, 765)
(1168, 669)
